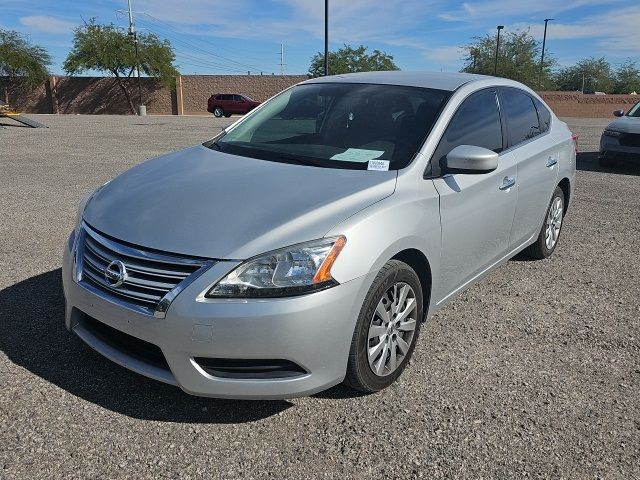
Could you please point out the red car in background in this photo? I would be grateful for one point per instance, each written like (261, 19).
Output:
(229, 103)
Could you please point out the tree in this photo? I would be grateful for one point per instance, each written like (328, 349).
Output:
(23, 63)
(105, 48)
(594, 73)
(627, 78)
(518, 59)
(350, 60)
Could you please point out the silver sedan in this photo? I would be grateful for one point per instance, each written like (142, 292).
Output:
(306, 244)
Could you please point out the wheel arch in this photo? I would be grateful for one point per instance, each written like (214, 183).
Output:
(420, 264)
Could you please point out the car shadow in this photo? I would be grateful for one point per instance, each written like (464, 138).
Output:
(33, 336)
(588, 161)
(340, 392)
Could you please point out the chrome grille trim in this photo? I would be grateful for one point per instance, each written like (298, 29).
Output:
(153, 279)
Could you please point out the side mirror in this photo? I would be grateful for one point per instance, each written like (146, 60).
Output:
(471, 159)
(619, 113)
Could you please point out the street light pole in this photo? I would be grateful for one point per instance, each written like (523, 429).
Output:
(132, 32)
(495, 63)
(544, 42)
(326, 37)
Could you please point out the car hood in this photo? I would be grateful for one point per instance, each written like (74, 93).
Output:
(625, 124)
(205, 203)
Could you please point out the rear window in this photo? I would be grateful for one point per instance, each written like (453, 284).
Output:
(521, 115)
(543, 115)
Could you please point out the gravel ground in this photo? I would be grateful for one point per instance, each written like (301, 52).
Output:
(535, 372)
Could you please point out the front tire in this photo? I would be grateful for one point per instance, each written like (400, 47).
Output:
(387, 329)
(549, 235)
(218, 112)
(227, 115)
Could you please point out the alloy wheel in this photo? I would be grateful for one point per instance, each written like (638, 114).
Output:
(392, 329)
(553, 223)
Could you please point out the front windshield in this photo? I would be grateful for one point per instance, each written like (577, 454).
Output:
(635, 111)
(338, 125)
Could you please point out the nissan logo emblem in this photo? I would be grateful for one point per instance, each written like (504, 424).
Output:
(115, 274)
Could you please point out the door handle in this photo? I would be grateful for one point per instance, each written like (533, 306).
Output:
(551, 161)
(507, 183)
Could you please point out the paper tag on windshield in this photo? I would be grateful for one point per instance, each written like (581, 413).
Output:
(381, 165)
(357, 155)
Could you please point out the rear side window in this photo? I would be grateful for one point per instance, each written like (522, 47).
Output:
(521, 115)
(477, 122)
(218, 97)
(543, 115)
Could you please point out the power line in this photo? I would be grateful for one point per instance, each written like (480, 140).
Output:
(212, 59)
(196, 47)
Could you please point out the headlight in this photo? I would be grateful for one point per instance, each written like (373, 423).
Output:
(611, 133)
(294, 270)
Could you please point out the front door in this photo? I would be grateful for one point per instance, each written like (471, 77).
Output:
(476, 210)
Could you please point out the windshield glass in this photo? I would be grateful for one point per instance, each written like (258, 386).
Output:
(338, 125)
(635, 111)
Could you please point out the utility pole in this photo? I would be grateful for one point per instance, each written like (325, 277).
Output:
(281, 59)
(326, 37)
(142, 110)
(495, 63)
(544, 42)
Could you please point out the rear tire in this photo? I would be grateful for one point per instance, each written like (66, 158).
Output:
(387, 329)
(218, 112)
(227, 115)
(549, 235)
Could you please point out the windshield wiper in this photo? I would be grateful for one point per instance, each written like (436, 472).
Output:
(298, 160)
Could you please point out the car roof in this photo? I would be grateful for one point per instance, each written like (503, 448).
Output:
(437, 80)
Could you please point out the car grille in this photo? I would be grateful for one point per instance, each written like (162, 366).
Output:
(630, 139)
(152, 279)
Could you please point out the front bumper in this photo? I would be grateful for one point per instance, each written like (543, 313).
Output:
(611, 147)
(314, 331)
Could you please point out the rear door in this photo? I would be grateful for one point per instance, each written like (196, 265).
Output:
(227, 103)
(476, 210)
(535, 152)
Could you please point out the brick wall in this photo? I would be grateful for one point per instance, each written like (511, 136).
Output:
(101, 95)
(575, 104)
(196, 89)
(92, 95)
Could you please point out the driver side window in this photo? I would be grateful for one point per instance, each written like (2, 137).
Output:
(477, 123)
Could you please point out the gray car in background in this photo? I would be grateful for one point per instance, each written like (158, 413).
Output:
(306, 244)
(621, 139)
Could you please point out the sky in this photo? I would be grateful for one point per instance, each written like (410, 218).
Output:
(226, 37)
